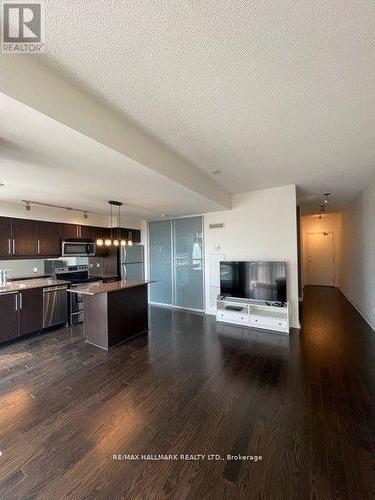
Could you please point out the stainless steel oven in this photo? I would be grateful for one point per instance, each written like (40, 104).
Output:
(78, 248)
(76, 275)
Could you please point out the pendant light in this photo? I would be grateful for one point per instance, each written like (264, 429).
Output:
(130, 240)
(122, 241)
(117, 241)
(108, 241)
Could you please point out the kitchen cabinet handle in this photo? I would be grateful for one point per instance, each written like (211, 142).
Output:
(20, 301)
(38, 247)
(16, 296)
(14, 246)
(9, 251)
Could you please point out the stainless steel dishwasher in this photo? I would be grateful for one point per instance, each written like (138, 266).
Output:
(55, 305)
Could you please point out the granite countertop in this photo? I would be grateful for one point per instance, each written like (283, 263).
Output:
(17, 286)
(33, 276)
(114, 286)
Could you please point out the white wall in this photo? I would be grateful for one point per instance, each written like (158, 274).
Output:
(329, 223)
(357, 266)
(262, 225)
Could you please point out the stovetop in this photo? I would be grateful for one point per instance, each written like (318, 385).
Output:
(82, 281)
(75, 274)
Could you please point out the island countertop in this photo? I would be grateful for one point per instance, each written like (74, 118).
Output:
(114, 286)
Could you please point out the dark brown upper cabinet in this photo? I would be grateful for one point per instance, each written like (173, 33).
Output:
(48, 239)
(135, 235)
(24, 240)
(101, 232)
(69, 231)
(5, 237)
(86, 232)
(128, 234)
(77, 231)
(20, 238)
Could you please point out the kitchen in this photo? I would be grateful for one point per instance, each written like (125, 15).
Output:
(40, 261)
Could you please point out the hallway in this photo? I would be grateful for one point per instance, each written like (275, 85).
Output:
(338, 362)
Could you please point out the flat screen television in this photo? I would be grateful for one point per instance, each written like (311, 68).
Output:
(257, 280)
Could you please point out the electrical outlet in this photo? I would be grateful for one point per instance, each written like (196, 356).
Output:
(35, 269)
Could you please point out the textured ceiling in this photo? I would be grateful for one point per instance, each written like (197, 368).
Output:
(270, 93)
(43, 160)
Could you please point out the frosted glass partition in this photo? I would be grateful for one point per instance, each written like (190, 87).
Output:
(176, 262)
(160, 243)
(188, 262)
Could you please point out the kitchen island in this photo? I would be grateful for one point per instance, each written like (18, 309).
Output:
(114, 312)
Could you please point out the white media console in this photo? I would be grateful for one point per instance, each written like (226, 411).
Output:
(253, 313)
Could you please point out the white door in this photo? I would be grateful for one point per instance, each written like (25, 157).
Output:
(320, 257)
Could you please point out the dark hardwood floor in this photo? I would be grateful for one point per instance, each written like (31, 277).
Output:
(304, 403)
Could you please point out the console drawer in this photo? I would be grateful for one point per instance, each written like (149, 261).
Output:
(236, 317)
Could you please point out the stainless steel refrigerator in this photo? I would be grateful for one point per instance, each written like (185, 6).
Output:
(132, 262)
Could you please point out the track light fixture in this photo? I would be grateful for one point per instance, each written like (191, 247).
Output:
(323, 204)
(28, 204)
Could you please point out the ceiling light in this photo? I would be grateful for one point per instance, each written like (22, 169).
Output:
(51, 205)
(117, 241)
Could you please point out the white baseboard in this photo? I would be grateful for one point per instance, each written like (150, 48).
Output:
(364, 316)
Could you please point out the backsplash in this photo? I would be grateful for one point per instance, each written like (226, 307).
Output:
(29, 267)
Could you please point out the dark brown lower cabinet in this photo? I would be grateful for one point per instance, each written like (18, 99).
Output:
(9, 317)
(30, 305)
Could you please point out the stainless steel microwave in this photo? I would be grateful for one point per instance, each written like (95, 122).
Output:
(78, 248)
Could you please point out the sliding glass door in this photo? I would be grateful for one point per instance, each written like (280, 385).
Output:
(176, 262)
(160, 241)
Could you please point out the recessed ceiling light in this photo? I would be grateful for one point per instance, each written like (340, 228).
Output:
(216, 172)
(162, 215)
